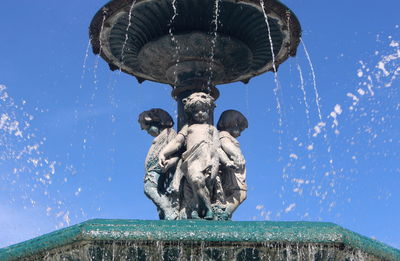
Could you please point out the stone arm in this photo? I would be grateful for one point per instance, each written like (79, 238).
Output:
(233, 152)
(223, 157)
(171, 162)
(172, 147)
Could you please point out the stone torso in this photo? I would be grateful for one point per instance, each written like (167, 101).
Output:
(151, 163)
(197, 133)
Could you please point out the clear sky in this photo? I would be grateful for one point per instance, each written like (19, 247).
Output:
(71, 148)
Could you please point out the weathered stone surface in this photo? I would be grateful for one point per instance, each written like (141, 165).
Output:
(200, 240)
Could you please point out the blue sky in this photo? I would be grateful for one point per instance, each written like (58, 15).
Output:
(71, 147)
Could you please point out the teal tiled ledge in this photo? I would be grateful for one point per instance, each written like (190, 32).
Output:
(144, 240)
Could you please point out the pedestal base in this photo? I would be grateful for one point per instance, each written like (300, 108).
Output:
(200, 240)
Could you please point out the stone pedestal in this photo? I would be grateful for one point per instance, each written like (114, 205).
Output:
(200, 240)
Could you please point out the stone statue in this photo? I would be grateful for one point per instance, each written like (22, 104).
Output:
(231, 124)
(158, 123)
(200, 160)
(200, 172)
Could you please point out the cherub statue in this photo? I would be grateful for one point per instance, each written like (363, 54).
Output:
(200, 160)
(231, 124)
(158, 123)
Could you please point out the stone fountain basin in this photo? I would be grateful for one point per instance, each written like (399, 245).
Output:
(143, 39)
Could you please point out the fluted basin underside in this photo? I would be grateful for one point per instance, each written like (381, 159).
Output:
(147, 39)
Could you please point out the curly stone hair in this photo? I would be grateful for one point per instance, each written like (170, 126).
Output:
(157, 117)
(198, 100)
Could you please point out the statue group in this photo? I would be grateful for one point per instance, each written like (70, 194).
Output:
(199, 172)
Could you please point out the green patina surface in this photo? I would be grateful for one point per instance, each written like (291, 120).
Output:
(193, 230)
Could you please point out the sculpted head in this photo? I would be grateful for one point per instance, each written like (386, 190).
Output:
(233, 122)
(199, 107)
(155, 120)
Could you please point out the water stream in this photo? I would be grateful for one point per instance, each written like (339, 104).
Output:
(173, 38)
(85, 63)
(306, 105)
(320, 127)
(127, 31)
(214, 31)
(310, 143)
(96, 64)
(317, 98)
(277, 89)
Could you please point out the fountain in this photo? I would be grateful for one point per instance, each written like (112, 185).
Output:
(194, 46)
(197, 174)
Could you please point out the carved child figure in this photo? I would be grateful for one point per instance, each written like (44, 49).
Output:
(158, 123)
(230, 125)
(200, 161)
